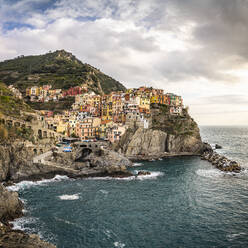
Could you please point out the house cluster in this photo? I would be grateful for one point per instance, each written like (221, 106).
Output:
(15, 91)
(45, 93)
(109, 116)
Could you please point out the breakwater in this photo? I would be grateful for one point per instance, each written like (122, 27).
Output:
(221, 162)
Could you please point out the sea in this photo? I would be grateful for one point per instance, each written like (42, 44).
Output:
(185, 202)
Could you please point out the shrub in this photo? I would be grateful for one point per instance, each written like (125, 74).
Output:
(3, 133)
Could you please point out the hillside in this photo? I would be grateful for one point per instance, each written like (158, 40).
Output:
(16, 108)
(60, 69)
(10, 105)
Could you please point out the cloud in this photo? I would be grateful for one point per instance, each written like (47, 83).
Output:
(226, 99)
(194, 48)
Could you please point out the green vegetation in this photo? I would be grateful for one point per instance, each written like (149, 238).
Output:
(9, 104)
(13, 133)
(60, 69)
(172, 124)
(57, 107)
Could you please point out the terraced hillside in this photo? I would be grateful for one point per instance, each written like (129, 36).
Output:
(61, 69)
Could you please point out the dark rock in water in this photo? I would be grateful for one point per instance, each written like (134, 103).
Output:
(207, 148)
(144, 173)
(218, 146)
(220, 162)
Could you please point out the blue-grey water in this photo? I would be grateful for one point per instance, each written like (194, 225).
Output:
(184, 203)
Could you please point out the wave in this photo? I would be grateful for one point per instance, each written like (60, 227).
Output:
(104, 191)
(119, 244)
(137, 164)
(215, 173)
(19, 224)
(211, 173)
(153, 175)
(233, 236)
(69, 197)
(28, 184)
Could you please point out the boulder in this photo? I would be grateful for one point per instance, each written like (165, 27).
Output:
(218, 146)
(143, 173)
(10, 205)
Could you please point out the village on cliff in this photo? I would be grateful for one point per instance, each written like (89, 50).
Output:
(101, 116)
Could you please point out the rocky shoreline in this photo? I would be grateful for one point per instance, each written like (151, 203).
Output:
(77, 164)
(221, 162)
(11, 208)
(159, 156)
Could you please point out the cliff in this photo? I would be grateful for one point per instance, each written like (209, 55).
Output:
(167, 135)
(10, 205)
(10, 208)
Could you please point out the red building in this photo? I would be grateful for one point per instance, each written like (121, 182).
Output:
(73, 91)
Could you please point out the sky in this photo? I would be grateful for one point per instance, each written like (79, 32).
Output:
(195, 48)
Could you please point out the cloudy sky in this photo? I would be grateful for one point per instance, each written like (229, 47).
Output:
(195, 48)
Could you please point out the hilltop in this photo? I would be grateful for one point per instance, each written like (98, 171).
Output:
(60, 69)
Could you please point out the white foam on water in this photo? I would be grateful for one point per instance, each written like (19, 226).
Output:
(153, 175)
(137, 164)
(243, 174)
(69, 197)
(29, 184)
(107, 232)
(119, 244)
(104, 191)
(67, 222)
(19, 224)
(111, 178)
(215, 174)
(210, 173)
(232, 236)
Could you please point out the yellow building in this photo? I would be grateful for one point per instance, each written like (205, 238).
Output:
(154, 99)
(144, 103)
(96, 122)
(62, 127)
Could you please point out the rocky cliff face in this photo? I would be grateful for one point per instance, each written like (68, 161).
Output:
(16, 163)
(10, 205)
(10, 208)
(167, 135)
(17, 239)
(149, 142)
(102, 162)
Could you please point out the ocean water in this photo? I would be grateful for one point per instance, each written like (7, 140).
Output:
(234, 141)
(185, 202)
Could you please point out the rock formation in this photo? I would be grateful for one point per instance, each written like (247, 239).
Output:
(10, 205)
(221, 162)
(168, 135)
(10, 208)
(18, 239)
(101, 162)
(16, 163)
